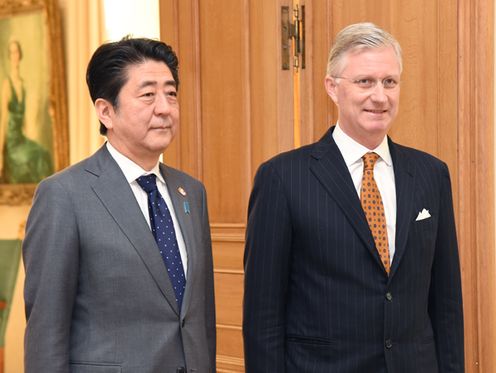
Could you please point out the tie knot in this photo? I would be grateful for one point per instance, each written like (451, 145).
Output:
(147, 182)
(369, 160)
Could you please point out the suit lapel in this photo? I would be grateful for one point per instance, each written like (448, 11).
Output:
(182, 209)
(404, 175)
(114, 192)
(330, 169)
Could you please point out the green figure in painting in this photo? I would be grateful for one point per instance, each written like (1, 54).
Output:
(22, 161)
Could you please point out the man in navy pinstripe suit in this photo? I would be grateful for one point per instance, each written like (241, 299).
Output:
(317, 296)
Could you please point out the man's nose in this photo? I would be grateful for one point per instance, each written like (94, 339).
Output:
(162, 104)
(378, 92)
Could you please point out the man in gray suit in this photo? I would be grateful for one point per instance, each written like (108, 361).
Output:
(117, 251)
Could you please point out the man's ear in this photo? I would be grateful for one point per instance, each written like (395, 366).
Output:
(104, 111)
(331, 88)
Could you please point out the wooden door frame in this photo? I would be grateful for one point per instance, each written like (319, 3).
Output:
(476, 177)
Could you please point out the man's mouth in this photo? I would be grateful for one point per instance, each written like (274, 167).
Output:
(164, 127)
(376, 111)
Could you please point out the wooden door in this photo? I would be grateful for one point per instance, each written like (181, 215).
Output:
(237, 110)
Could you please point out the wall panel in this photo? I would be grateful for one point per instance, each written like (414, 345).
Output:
(237, 111)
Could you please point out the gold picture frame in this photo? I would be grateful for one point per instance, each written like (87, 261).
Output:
(33, 107)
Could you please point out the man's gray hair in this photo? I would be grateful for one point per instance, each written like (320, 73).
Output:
(358, 36)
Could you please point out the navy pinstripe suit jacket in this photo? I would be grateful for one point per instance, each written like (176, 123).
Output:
(317, 298)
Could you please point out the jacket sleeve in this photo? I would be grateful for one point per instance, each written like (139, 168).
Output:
(50, 253)
(445, 297)
(266, 263)
(209, 286)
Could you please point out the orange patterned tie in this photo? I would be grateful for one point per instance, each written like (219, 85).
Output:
(374, 209)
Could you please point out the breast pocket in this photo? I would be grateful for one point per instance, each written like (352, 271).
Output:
(422, 243)
(426, 230)
(94, 368)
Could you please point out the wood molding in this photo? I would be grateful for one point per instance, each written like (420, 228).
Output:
(229, 271)
(228, 232)
(241, 226)
(226, 237)
(229, 327)
(17, 194)
(229, 364)
(476, 180)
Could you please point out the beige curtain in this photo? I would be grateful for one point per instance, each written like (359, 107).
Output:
(84, 31)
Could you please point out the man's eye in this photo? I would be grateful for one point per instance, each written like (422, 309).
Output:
(364, 83)
(149, 94)
(389, 83)
(172, 93)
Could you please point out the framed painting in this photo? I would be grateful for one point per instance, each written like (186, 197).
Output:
(33, 109)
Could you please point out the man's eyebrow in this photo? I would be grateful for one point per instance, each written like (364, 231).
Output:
(171, 82)
(154, 83)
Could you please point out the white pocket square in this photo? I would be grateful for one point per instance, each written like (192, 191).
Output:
(424, 214)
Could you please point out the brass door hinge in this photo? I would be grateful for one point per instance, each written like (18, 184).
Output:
(293, 32)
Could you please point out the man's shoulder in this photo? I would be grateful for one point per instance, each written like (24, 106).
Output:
(180, 176)
(289, 157)
(421, 159)
(303, 154)
(75, 174)
(417, 153)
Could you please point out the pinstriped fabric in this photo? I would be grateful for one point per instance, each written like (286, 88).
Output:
(315, 292)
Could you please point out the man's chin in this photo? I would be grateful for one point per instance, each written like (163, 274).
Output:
(377, 127)
(162, 145)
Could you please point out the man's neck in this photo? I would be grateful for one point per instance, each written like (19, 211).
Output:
(146, 162)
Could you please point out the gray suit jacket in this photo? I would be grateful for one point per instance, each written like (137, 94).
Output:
(98, 297)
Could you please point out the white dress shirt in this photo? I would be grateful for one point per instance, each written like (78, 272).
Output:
(132, 171)
(352, 153)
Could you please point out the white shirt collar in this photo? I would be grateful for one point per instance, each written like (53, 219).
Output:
(130, 169)
(353, 151)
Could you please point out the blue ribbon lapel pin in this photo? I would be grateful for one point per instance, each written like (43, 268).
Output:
(185, 203)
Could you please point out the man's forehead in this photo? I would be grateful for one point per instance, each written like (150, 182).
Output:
(150, 72)
(369, 59)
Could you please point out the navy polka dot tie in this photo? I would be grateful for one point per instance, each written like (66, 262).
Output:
(165, 236)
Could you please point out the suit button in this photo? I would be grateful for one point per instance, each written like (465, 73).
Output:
(389, 296)
(388, 344)
(180, 370)
(183, 323)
